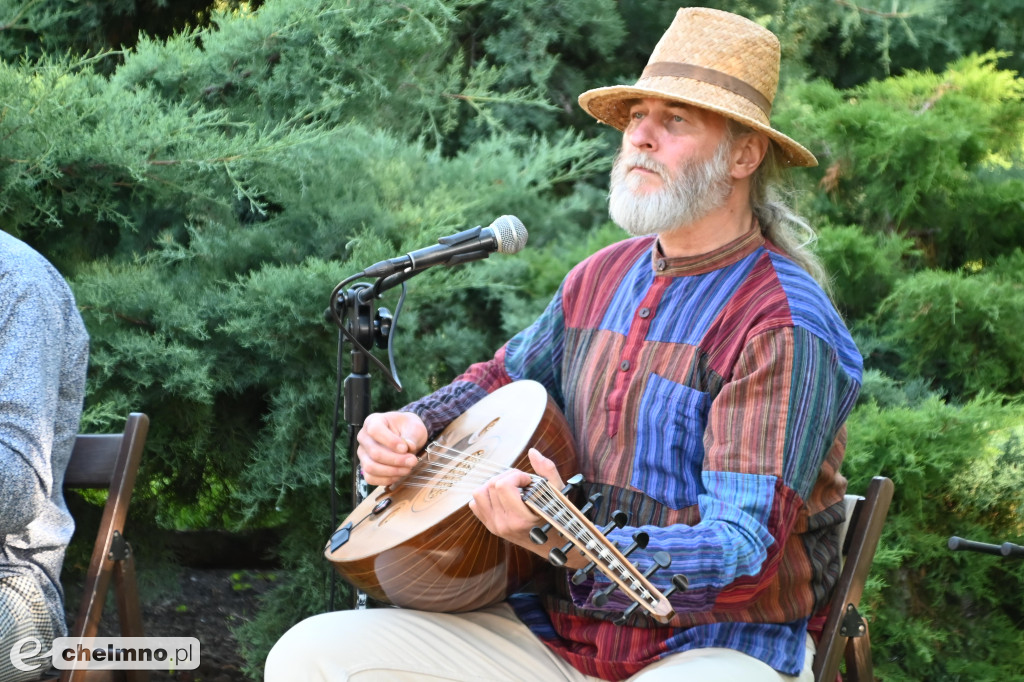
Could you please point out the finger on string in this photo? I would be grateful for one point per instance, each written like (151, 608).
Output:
(444, 455)
(443, 452)
(479, 470)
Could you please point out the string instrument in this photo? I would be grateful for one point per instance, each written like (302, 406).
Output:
(416, 544)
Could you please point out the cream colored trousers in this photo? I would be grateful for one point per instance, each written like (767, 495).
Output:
(491, 645)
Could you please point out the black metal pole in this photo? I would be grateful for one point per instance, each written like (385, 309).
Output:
(1007, 549)
(352, 310)
(358, 394)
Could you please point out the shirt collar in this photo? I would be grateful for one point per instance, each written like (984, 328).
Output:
(727, 254)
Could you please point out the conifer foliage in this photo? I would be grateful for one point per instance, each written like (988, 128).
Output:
(205, 185)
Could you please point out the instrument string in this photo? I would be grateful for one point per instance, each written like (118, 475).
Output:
(443, 456)
(441, 459)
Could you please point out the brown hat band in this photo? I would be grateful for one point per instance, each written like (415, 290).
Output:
(711, 76)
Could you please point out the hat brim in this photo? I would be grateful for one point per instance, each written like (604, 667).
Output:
(610, 105)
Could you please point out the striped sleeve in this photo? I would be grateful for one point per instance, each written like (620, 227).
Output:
(534, 353)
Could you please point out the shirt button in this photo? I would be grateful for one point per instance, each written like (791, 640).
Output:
(624, 366)
(645, 313)
(660, 264)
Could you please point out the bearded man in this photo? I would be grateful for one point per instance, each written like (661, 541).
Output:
(706, 377)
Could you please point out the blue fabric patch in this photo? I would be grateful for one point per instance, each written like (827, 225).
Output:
(688, 325)
(670, 442)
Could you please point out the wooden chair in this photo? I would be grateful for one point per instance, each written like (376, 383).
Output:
(109, 461)
(846, 632)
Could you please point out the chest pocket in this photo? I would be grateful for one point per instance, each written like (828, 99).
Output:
(670, 442)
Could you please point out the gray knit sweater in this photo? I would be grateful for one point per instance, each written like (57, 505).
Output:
(43, 356)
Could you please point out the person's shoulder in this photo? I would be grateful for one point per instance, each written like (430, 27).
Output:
(20, 259)
(811, 309)
(799, 286)
(26, 272)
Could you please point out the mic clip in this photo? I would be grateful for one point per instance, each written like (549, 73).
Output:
(447, 249)
(352, 312)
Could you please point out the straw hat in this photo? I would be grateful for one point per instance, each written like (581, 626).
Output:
(714, 60)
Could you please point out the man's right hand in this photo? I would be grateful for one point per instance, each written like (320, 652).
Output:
(388, 443)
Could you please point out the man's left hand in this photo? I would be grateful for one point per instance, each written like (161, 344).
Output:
(499, 503)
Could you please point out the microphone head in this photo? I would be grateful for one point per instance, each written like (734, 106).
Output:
(510, 233)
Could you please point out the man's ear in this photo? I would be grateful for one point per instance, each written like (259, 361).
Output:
(747, 153)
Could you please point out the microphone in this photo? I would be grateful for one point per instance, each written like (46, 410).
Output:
(505, 235)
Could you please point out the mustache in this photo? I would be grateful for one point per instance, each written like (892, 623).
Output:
(640, 160)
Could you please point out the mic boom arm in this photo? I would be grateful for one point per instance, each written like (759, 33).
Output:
(506, 235)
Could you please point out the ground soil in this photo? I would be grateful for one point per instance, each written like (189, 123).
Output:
(205, 603)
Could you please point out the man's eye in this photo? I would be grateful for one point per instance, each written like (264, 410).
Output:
(677, 119)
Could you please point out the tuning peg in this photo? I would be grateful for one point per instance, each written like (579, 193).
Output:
(640, 540)
(601, 598)
(621, 620)
(573, 483)
(539, 534)
(580, 576)
(619, 519)
(661, 560)
(557, 557)
(592, 503)
(680, 583)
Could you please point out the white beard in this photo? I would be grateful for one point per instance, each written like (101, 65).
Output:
(698, 188)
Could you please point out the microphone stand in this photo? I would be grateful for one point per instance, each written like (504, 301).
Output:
(1007, 549)
(351, 310)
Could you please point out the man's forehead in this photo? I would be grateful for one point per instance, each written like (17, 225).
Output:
(670, 103)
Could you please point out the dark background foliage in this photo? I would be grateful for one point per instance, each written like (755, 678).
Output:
(204, 173)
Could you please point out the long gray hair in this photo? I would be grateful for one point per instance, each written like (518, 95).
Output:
(780, 224)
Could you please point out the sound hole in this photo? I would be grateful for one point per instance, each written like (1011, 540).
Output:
(483, 432)
(382, 520)
(455, 472)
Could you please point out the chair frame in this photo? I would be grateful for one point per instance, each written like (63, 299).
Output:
(845, 635)
(109, 461)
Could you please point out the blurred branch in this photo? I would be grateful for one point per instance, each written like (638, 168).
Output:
(19, 15)
(873, 12)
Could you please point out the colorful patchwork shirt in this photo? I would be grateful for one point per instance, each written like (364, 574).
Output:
(707, 396)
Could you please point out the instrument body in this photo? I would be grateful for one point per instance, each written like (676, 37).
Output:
(416, 544)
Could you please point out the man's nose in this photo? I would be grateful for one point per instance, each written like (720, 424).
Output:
(642, 134)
